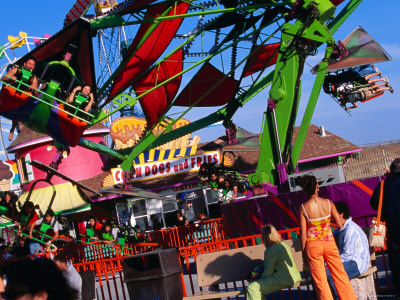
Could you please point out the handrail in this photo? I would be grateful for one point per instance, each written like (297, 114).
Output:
(49, 104)
(110, 268)
(191, 234)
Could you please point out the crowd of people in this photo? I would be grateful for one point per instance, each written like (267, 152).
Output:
(226, 184)
(333, 257)
(356, 84)
(38, 233)
(332, 263)
(27, 276)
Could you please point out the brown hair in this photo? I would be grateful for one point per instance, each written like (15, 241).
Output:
(308, 183)
(270, 236)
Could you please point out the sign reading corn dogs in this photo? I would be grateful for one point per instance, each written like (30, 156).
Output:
(164, 168)
(174, 157)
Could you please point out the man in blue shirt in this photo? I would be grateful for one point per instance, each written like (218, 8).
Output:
(74, 280)
(353, 246)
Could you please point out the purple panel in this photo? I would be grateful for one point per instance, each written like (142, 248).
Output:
(246, 217)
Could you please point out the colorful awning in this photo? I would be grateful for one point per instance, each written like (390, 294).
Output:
(67, 199)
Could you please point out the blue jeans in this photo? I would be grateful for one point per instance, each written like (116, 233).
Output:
(352, 271)
(364, 70)
(34, 248)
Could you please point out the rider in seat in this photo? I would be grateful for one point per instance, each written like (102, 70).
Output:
(48, 226)
(26, 216)
(82, 98)
(93, 228)
(23, 77)
(25, 80)
(107, 234)
(7, 205)
(364, 93)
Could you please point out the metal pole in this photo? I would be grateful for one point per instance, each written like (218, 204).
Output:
(277, 135)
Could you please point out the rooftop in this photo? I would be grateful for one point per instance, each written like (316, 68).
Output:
(28, 137)
(247, 152)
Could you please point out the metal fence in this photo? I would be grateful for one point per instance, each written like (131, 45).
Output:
(372, 161)
(191, 234)
(106, 263)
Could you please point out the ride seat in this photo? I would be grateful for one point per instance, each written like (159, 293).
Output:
(61, 72)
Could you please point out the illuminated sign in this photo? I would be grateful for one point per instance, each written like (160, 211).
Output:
(168, 167)
(127, 131)
(189, 196)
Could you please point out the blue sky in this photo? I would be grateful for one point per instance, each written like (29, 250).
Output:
(374, 121)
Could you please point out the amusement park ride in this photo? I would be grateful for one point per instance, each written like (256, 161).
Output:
(221, 62)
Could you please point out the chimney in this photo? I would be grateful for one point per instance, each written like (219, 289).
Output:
(322, 131)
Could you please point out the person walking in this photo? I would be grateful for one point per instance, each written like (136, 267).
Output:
(318, 244)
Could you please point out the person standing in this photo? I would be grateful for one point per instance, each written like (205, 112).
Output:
(180, 219)
(35, 279)
(21, 250)
(390, 214)
(74, 280)
(318, 244)
(280, 270)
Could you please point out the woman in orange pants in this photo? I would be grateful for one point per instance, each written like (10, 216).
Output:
(318, 244)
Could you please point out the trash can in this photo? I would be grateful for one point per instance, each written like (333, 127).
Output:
(154, 275)
(88, 285)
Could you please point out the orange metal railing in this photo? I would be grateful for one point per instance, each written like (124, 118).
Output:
(189, 256)
(191, 234)
(106, 259)
(98, 251)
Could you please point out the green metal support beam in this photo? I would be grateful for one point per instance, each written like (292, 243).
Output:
(114, 20)
(284, 93)
(100, 148)
(286, 89)
(220, 115)
(343, 15)
(312, 102)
